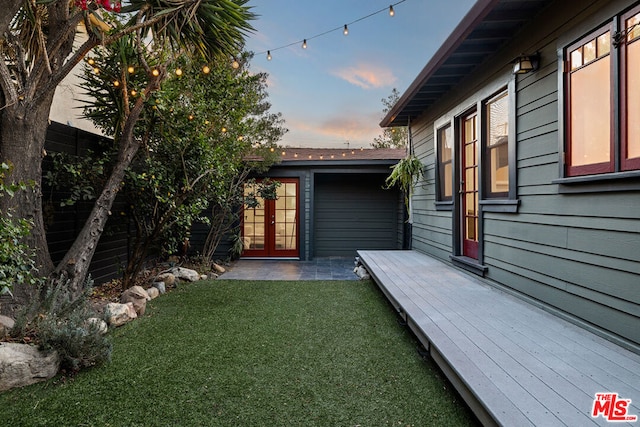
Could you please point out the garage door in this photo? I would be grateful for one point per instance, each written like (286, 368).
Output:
(353, 211)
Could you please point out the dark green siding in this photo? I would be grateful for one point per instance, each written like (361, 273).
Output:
(577, 254)
(351, 212)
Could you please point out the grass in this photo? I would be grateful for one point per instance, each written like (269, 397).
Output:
(243, 353)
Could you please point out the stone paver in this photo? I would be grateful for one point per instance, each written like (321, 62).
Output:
(329, 268)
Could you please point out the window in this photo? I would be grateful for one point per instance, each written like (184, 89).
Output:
(497, 146)
(445, 163)
(631, 91)
(603, 99)
(495, 157)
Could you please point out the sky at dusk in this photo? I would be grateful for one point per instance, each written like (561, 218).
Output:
(330, 94)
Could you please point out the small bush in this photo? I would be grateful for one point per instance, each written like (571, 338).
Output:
(56, 322)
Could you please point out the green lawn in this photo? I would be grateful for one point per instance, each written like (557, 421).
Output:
(240, 353)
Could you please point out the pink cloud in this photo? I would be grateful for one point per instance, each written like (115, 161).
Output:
(366, 76)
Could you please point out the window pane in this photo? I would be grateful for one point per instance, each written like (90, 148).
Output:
(589, 51)
(633, 24)
(445, 153)
(590, 120)
(604, 44)
(445, 143)
(633, 100)
(448, 174)
(576, 58)
(498, 144)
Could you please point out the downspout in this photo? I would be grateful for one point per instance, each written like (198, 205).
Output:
(409, 222)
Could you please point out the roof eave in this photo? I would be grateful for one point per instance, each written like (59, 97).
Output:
(475, 15)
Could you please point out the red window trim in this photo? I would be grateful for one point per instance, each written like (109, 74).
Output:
(595, 168)
(626, 164)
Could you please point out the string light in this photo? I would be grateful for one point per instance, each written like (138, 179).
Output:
(235, 64)
(178, 72)
(344, 28)
(155, 72)
(206, 69)
(91, 61)
(131, 70)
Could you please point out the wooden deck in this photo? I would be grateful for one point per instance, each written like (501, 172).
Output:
(513, 363)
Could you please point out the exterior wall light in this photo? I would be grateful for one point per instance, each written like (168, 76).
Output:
(526, 63)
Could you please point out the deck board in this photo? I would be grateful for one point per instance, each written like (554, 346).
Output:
(513, 362)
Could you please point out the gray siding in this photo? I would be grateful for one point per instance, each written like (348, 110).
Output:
(576, 253)
(353, 212)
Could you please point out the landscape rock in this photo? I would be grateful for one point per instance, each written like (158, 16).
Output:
(160, 286)
(185, 273)
(203, 277)
(119, 314)
(362, 273)
(138, 296)
(153, 292)
(168, 279)
(218, 268)
(6, 323)
(99, 324)
(24, 364)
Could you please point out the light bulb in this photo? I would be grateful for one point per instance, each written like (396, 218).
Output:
(391, 11)
(91, 61)
(134, 93)
(116, 83)
(235, 64)
(155, 72)
(268, 55)
(346, 30)
(96, 70)
(131, 69)
(178, 72)
(304, 44)
(206, 69)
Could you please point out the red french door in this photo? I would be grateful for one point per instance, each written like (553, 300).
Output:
(271, 228)
(469, 186)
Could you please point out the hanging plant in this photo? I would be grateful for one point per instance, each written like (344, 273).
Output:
(406, 173)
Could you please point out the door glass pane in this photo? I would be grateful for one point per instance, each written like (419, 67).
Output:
(286, 216)
(590, 113)
(633, 98)
(253, 222)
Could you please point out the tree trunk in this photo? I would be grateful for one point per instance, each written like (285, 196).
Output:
(22, 137)
(75, 264)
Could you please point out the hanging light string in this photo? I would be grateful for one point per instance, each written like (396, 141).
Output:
(344, 28)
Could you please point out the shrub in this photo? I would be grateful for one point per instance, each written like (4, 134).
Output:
(17, 263)
(56, 322)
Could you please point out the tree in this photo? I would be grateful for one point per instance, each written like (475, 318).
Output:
(39, 52)
(394, 137)
(197, 132)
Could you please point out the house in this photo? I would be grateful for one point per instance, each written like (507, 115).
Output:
(527, 121)
(331, 202)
